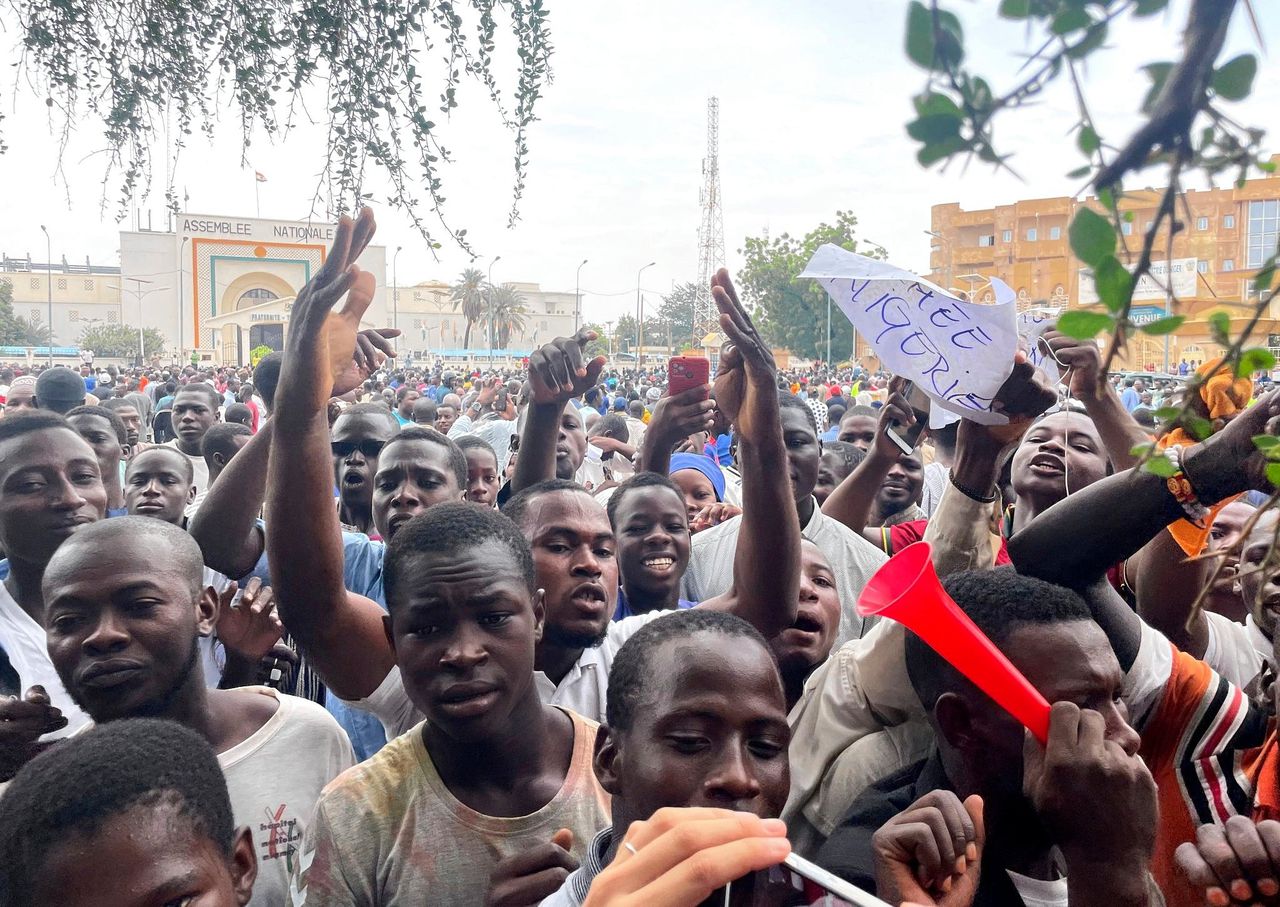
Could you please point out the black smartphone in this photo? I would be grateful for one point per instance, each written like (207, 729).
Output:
(918, 400)
(795, 882)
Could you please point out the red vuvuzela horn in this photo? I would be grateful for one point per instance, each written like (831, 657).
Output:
(907, 590)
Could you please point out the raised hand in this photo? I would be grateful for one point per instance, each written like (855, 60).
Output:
(250, 627)
(931, 852)
(1229, 461)
(373, 347)
(533, 874)
(22, 723)
(560, 370)
(1236, 864)
(746, 381)
(896, 414)
(1081, 356)
(1079, 776)
(679, 416)
(713, 515)
(322, 342)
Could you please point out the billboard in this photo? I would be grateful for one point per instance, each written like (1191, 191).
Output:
(1179, 274)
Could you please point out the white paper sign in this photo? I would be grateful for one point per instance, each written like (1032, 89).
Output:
(1032, 324)
(959, 353)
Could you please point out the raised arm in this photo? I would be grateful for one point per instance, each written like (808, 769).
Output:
(766, 564)
(853, 500)
(558, 372)
(341, 635)
(673, 420)
(226, 525)
(1119, 431)
(1166, 583)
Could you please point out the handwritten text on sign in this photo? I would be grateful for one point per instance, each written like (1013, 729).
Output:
(957, 352)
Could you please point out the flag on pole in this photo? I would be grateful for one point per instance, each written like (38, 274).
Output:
(259, 177)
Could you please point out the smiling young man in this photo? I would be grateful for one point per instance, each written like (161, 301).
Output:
(123, 633)
(650, 522)
(50, 488)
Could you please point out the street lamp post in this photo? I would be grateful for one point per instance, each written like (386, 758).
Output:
(640, 319)
(395, 296)
(137, 282)
(48, 257)
(577, 297)
(489, 293)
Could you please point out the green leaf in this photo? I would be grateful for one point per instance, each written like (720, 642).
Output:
(919, 35)
(1092, 40)
(1140, 451)
(1165, 325)
(933, 102)
(1080, 171)
(1070, 19)
(1113, 283)
(934, 128)
(1165, 413)
(1149, 7)
(1267, 166)
(1266, 442)
(1159, 465)
(1084, 325)
(932, 49)
(1107, 198)
(1015, 9)
(1087, 140)
(1199, 426)
(1273, 473)
(934, 152)
(1234, 79)
(1220, 324)
(1262, 280)
(1255, 360)
(1092, 237)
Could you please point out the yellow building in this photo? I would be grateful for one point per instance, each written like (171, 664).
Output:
(1226, 236)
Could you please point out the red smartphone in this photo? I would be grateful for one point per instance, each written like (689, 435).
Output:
(685, 372)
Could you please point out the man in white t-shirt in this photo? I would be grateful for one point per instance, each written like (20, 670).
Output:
(123, 629)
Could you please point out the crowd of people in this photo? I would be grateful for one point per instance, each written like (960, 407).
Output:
(333, 631)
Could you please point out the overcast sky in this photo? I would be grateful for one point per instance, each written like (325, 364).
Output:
(813, 99)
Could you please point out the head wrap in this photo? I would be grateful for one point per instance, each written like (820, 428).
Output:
(704, 465)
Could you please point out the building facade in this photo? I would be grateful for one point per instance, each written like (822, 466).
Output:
(220, 287)
(1227, 235)
(430, 323)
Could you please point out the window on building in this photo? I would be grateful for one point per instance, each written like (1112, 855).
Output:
(1055, 233)
(1202, 266)
(113, 317)
(1031, 234)
(74, 315)
(88, 284)
(987, 240)
(1264, 230)
(1149, 225)
(62, 283)
(1126, 227)
(35, 283)
(1228, 221)
(1202, 223)
(1228, 264)
(1006, 236)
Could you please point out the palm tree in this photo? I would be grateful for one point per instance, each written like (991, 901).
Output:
(469, 292)
(31, 332)
(508, 314)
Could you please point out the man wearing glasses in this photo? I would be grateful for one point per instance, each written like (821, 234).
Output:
(357, 437)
